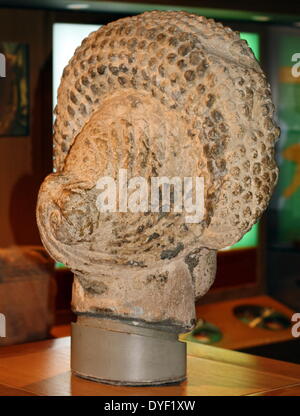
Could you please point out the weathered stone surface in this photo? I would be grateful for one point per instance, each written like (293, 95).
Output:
(159, 94)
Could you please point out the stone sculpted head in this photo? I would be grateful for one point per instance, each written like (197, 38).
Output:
(159, 94)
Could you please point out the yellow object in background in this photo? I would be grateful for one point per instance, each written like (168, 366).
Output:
(292, 154)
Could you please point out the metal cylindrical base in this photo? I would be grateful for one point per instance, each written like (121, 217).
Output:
(114, 352)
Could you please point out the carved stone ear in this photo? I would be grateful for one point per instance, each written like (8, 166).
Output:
(66, 215)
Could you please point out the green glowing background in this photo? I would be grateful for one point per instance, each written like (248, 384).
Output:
(250, 239)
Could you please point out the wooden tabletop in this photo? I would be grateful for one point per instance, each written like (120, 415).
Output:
(43, 368)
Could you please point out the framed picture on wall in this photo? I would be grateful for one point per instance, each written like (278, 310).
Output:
(14, 89)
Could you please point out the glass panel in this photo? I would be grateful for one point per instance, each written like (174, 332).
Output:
(288, 189)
